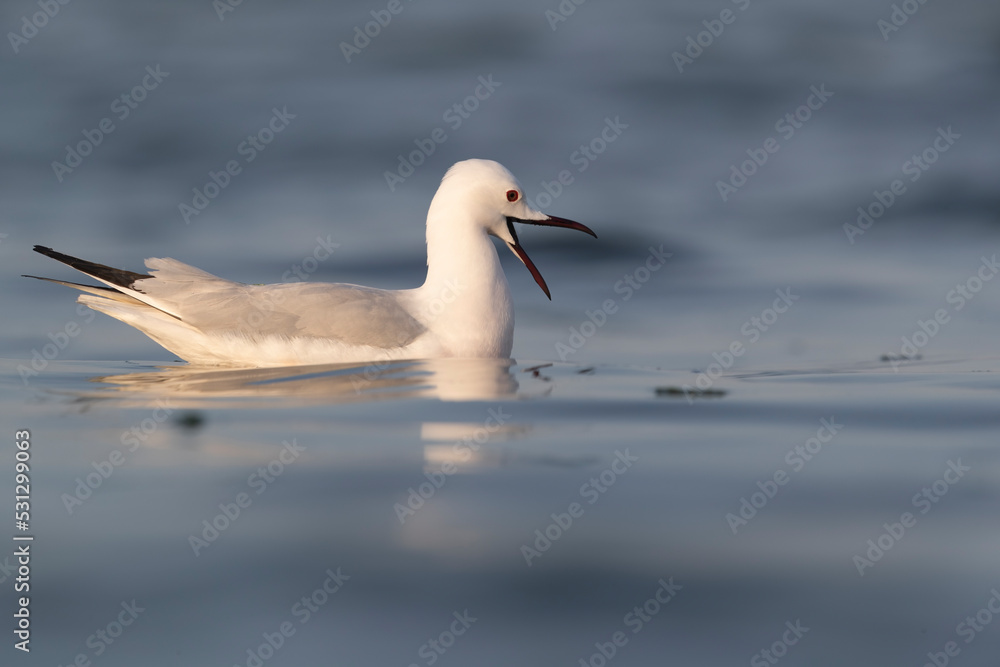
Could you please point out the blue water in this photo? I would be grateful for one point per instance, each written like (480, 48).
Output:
(779, 321)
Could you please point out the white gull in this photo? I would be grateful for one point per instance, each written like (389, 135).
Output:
(463, 309)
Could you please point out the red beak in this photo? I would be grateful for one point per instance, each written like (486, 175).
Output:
(547, 222)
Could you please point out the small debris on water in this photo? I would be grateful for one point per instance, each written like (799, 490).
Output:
(690, 392)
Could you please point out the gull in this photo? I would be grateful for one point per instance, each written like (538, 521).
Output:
(463, 309)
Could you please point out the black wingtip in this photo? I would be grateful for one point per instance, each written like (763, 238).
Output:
(119, 277)
(48, 252)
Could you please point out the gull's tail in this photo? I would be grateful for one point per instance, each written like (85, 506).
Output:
(106, 274)
(123, 299)
(111, 276)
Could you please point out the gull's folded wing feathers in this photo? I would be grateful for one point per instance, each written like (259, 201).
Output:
(352, 314)
(348, 313)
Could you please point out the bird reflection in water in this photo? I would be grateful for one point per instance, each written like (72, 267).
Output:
(442, 379)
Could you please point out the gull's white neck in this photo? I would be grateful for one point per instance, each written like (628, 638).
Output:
(465, 300)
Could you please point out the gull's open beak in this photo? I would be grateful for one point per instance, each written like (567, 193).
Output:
(545, 222)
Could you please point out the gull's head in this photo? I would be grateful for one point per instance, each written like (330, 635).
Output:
(489, 196)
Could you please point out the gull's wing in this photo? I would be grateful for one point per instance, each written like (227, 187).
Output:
(352, 314)
(349, 313)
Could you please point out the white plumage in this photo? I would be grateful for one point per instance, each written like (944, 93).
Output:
(463, 309)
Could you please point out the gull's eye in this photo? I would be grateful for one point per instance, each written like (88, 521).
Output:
(512, 195)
